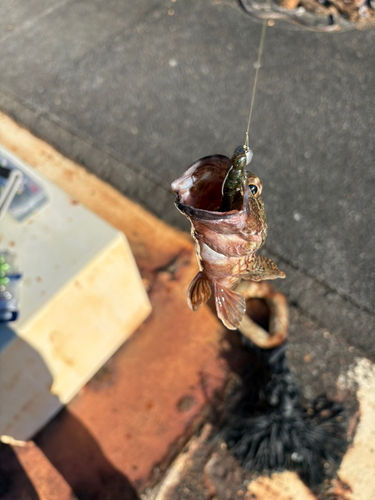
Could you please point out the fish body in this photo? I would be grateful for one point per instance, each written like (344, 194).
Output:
(226, 241)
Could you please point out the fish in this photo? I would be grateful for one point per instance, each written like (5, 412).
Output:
(227, 232)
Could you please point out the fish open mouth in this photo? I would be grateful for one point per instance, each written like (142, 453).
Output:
(199, 190)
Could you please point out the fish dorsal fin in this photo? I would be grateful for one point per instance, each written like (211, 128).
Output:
(262, 268)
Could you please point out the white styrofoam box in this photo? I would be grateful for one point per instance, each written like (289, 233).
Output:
(81, 298)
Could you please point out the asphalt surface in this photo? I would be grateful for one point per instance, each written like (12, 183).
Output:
(136, 91)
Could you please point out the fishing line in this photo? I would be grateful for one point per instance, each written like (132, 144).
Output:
(258, 64)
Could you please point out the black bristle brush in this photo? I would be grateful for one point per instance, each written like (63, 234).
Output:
(270, 430)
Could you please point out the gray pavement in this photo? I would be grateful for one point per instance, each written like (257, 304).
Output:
(136, 91)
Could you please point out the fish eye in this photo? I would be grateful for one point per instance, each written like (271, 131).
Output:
(255, 185)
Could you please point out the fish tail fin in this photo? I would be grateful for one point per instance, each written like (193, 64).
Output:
(262, 268)
(230, 306)
(198, 292)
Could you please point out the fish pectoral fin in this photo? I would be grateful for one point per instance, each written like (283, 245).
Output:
(198, 292)
(230, 306)
(262, 268)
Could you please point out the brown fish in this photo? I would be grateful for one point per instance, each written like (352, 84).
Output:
(226, 242)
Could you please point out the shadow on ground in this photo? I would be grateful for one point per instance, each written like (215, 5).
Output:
(76, 455)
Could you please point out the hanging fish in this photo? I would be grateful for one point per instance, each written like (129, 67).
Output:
(228, 222)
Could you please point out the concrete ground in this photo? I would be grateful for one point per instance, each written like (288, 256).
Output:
(136, 91)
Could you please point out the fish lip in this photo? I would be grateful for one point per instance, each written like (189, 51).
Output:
(198, 213)
(215, 160)
(206, 175)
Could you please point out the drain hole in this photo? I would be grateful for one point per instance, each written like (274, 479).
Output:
(258, 311)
